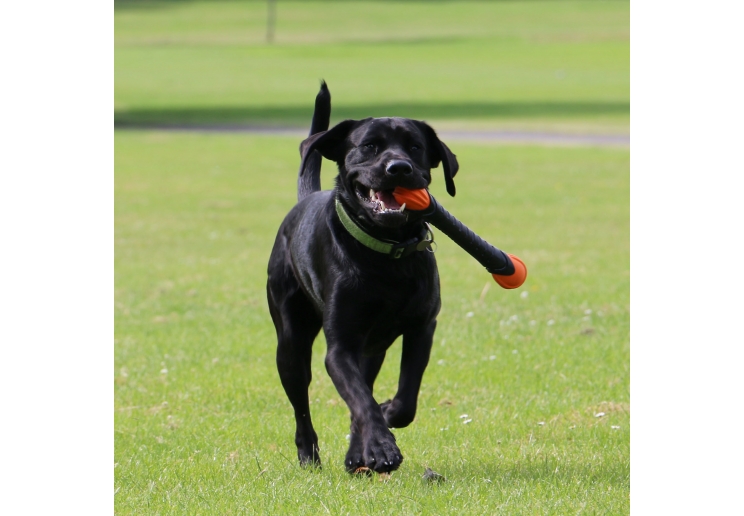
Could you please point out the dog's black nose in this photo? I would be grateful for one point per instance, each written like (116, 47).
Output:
(398, 166)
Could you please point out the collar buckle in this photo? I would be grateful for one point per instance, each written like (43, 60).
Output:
(413, 245)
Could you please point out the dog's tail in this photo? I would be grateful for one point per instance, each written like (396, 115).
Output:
(309, 176)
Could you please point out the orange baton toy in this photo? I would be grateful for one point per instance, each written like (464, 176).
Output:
(507, 270)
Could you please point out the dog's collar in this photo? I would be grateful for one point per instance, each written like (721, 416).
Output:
(393, 249)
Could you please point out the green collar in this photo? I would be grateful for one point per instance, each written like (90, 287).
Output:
(393, 249)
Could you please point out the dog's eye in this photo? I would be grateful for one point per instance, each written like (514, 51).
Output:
(369, 146)
(415, 147)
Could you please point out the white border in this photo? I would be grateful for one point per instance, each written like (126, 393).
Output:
(56, 263)
(686, 276)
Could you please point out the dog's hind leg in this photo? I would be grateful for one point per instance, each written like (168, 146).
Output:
(400, 411)
(297, 325)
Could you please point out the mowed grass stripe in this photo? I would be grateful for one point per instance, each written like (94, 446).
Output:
(496, 62)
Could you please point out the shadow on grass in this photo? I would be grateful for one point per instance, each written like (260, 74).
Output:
(301, 115)
(150, 4)
(120, 5)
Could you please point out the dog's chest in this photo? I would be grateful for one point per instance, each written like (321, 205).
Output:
(384, 308)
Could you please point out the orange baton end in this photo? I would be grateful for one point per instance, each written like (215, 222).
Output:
(415, 200)
(515, 280)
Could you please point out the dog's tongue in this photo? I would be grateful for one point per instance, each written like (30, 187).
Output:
(387, 200)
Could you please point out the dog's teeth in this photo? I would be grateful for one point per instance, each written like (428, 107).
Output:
(371, 194)
(402, 208)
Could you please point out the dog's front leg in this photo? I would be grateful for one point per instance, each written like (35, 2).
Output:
(400, 411)
(372, 444)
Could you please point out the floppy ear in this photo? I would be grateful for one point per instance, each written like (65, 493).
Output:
(438, 151)
(330, 143)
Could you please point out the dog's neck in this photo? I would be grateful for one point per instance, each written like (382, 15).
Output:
(413, 228)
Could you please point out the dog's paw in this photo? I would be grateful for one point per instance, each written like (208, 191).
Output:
(309, 456)
(307, 449)
(381, 454)
(311, 460)
(354, 461)
(396, 414)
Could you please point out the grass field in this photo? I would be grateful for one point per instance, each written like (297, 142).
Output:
(202, 425)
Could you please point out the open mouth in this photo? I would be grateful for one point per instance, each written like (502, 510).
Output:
(379, 201)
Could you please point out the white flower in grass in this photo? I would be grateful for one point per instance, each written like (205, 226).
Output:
(524, 294)
(463, 416)
(551, 322)
(599, 414)
(615, 427)
(492, 357)
(466, 421)
(469, 314)
(164, 371)
(440, 362)
(588, 311)
(541, 423)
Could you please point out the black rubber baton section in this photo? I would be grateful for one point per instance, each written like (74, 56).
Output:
(494, 260)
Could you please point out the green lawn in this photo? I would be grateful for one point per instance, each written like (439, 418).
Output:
(203, 425)
(558, 65)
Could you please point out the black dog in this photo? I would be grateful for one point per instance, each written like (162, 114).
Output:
(352, 261)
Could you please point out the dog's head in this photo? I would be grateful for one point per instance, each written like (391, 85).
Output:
(375, 155)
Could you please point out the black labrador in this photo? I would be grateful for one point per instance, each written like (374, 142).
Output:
(353, 262)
